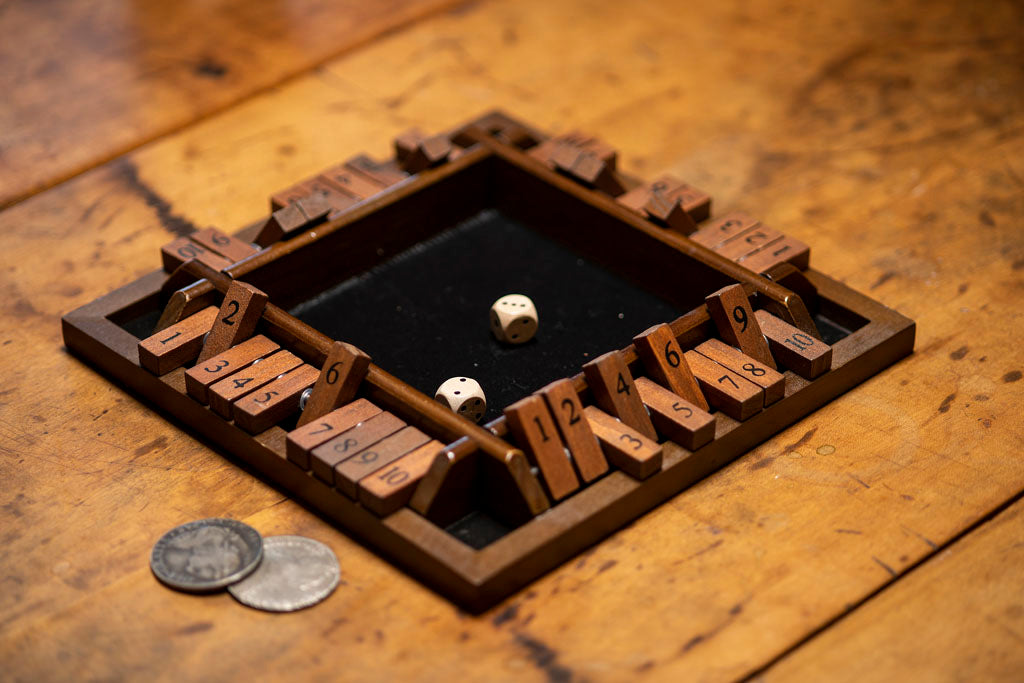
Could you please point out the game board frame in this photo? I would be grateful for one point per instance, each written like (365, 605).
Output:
(544, 534)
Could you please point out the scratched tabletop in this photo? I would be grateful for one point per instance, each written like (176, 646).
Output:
(880, 538)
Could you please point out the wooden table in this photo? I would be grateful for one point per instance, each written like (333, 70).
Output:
(880, 538)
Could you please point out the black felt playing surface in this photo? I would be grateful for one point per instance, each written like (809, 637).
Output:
(423, 315)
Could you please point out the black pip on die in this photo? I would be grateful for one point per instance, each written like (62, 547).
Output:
(514, 319)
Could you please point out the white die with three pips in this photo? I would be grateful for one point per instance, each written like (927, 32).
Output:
(514, 319)
(464, 396)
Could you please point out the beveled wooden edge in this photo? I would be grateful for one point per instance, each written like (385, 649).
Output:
(427, 551)
(789, 301)
(476, 579)
(604, 506)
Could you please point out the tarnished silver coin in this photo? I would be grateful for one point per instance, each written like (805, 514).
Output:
(296, 572)
(207, 554)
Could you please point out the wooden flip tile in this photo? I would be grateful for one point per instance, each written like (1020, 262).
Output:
(324, 457)
(339, 379)
(724, 389)
(353, 183)
(612, 386)
(348, 472)
(674, 417)
(798, 351)
(406, 142)
(239, 312)
(223, 393)
(748, 241)
(262, 409)
(626, 448)
(378, 172)
(550, 148)
(301, 214)
(695, 202)
(199, 378)
(176, 345)
(772, 381)
(564, 404)
(231, 248)
(670, 213)
(593, 145)
(174, 254)
(664, 361)
(587, 168)
(734, 318)
(304, 439)
(534, 429)
(392, 486)
(723, 228)
(312, 187)
(784, 250)
(428, 152)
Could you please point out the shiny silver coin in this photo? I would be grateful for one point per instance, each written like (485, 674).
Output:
(207, 554)
(296, 572)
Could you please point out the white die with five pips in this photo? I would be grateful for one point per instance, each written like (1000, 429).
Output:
(463, 395)
(514, 319)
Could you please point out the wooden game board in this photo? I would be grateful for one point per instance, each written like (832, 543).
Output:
(485, 518)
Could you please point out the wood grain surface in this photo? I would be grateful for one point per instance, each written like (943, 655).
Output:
(957, 616)
(889, 138)
(86, 81)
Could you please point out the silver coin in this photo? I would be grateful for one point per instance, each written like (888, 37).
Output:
(207, 554)
(296, 572)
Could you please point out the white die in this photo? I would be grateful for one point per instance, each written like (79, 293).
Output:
(514, 319)
(464, 396)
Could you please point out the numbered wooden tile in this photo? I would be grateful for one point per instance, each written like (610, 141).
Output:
(349, 471)
(304, 439)
(725, 390)
(546, 150)
(324, 457)
(268, 405)
(355, 184)
(406, 142)
(564, 404)
(231, 248)
(676, 418)
(335, 199)
(380, 172)
(391, 487)
(176, 345)
(669, 212)
(199, 378)
(664, 361)
(734, 318)
(724, 228)
(748, 242)
(797, 350)
(771, 381)
(240, 311)
(342, 373)
(228, 390)
(534, 429)
(784, 250)
(183, 249)
(612, 386)
(696, 203)
(303, 213)
(626, 448)
(425, 153)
